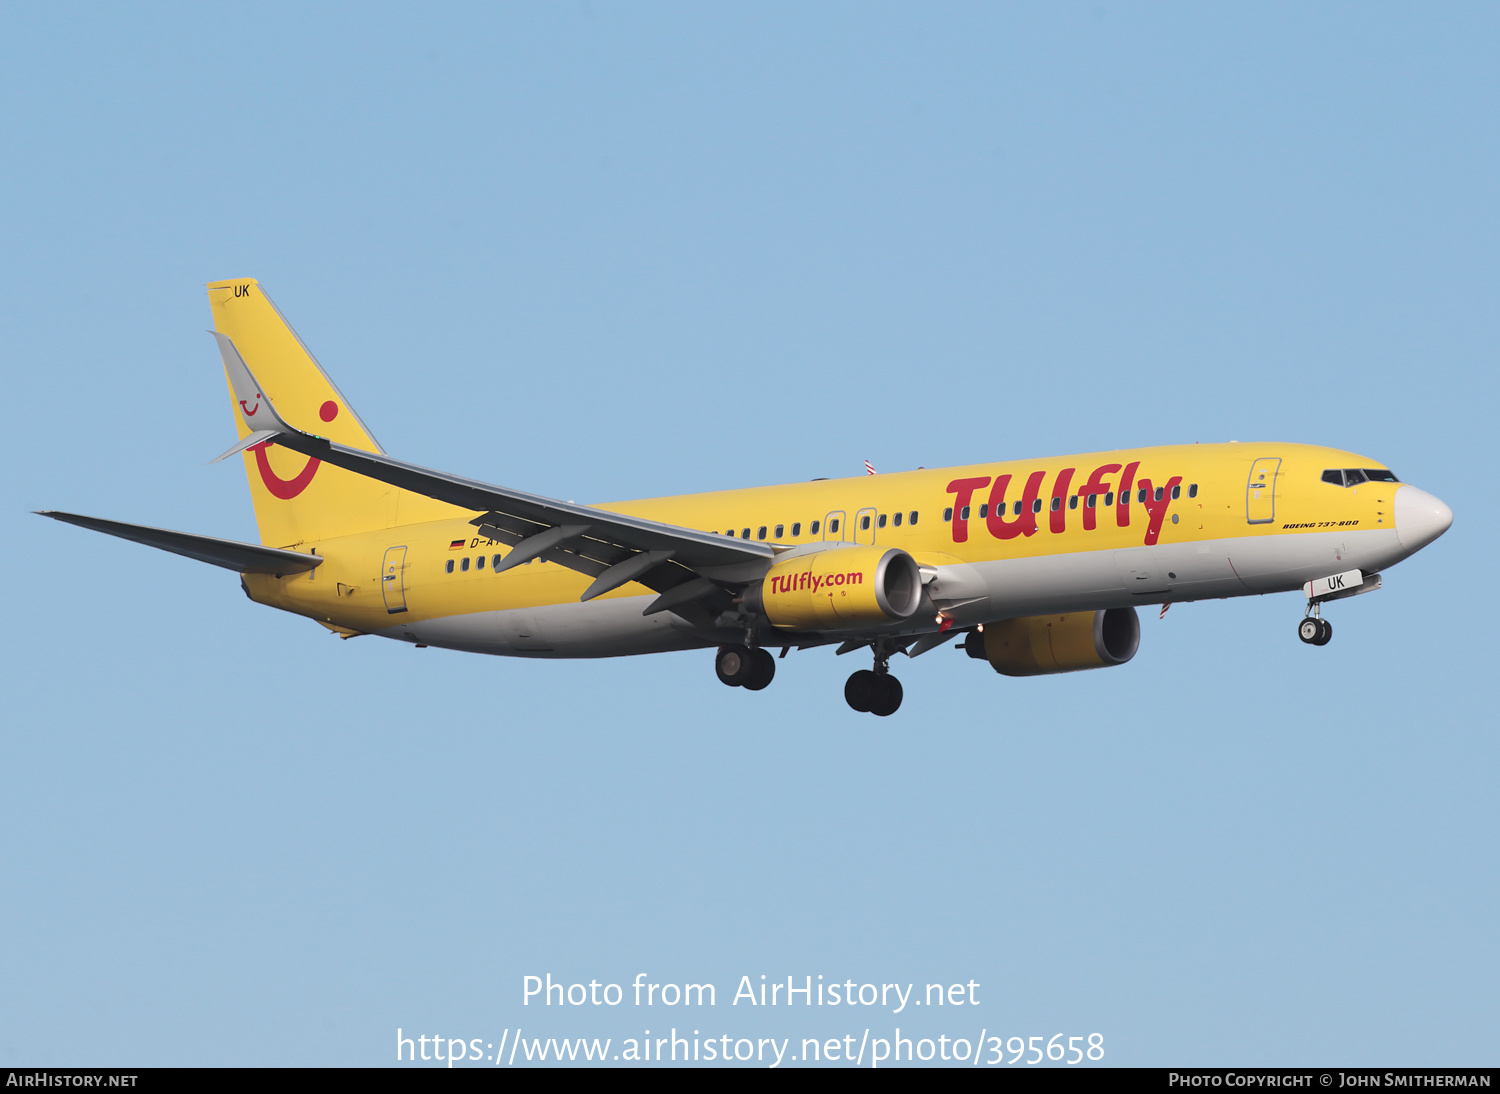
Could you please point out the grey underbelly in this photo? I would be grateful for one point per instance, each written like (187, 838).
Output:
(1239, 566)
(599, 628)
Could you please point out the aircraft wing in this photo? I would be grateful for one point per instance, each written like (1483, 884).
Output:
(684, 564)
(244, 558)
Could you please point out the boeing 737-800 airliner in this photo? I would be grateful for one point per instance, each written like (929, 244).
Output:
(1038, 564)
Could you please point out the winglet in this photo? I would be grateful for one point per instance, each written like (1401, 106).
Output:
(257, 437)
(255, 408)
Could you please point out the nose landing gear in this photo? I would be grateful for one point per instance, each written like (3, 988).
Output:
(745, 667)
(874, 692)
(1315, 630)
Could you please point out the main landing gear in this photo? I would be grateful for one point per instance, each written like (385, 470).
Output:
(745, 667)
(867, 691)
(874, 692)
(1314, 629)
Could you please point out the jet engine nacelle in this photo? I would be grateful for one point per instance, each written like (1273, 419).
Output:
(1037, 645)
(839, 589)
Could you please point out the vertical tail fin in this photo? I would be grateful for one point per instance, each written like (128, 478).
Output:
(297, 499)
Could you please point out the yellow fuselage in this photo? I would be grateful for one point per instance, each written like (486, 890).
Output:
(1079, 515)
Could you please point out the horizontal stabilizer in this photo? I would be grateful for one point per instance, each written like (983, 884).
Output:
(244, 558)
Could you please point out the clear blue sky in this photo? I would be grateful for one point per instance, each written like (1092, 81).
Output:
(602, 251)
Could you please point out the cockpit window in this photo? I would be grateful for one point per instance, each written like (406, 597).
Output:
(1353, 476)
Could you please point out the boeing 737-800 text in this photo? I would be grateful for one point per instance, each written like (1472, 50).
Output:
(1038, 564)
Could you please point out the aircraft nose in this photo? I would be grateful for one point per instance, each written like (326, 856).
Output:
(1420, 517)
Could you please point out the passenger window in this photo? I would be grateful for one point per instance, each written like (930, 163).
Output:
(778, 531)
(464, 565)
(1158, 495)
(1036, 505)
(833, 527)
(1017, 511)
(1093, 501)
(947, 514)
(1141, 497)
(479, 563)
(1193, 490)
(812, 529)
(796, 529)
(761, 533)
(864, 524)
(913, 519)
(494, 562)
(1109, 498)
(1176, 492)
(449, 567)
(880, 521)
(984, 510)
(1056, 504)
(1073, 502)
(896, 520)
(963, 514)
(745, 534)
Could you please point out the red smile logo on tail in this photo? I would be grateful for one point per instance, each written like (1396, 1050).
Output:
(287, 489)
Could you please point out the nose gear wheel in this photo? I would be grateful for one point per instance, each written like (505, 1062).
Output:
(1315, 631)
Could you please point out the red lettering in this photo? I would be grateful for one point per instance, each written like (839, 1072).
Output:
(963, 493)
(1157, 509)
(1127, 480)
(1025, 524)
(1059, 499)
(1096, 485)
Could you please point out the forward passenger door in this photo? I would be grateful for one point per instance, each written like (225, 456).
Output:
(1260, 491)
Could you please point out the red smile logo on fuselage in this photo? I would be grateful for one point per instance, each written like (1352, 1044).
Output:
(287, 489)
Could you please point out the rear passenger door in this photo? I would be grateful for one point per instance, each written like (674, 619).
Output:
(393, 580)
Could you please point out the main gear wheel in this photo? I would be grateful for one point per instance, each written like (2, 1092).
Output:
(745, 667)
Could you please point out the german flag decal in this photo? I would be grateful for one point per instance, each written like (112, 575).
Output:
(456, 545)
